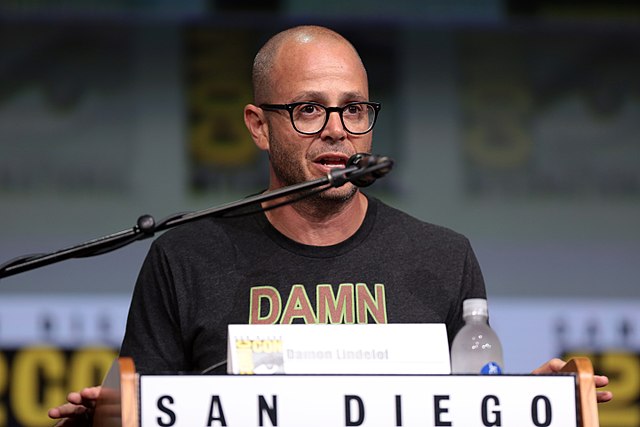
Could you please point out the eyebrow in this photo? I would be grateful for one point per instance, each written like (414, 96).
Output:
(320, 96)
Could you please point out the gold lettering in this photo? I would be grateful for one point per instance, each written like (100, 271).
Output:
(29, 366)
(89, 366)
(4, 380)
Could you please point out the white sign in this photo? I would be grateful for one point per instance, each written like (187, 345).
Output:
(338, 349)
(357, 400)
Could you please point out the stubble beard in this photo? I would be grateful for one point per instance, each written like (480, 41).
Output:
(291, 173)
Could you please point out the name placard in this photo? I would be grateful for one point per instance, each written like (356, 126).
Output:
(358, 400)
(338, 349)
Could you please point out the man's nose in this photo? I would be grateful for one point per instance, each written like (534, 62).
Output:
(334, 128)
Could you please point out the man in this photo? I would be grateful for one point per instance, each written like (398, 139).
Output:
(336, 257)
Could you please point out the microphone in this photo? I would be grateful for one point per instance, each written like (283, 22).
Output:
(362, 170)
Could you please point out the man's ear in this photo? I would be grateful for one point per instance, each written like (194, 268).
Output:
(257, 125)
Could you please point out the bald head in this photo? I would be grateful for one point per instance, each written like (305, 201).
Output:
(272, 51)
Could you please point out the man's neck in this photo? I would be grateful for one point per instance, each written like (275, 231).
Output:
(320, 223)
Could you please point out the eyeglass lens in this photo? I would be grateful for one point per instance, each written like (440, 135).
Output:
(311, 118)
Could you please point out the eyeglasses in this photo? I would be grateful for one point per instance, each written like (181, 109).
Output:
(310, 118)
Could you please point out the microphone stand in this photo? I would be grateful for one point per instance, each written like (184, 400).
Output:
(146, 226)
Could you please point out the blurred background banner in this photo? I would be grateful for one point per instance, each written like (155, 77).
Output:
(515, 123)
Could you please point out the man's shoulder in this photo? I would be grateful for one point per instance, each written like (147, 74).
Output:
(209, 232)
(396, 221)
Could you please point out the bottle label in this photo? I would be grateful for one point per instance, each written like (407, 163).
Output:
(491, 368)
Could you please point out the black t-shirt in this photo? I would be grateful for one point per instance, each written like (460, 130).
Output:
(202, 276)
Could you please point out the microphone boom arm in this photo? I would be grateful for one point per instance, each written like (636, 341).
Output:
(146, 227)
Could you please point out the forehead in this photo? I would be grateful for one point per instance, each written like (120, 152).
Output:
(329, 69)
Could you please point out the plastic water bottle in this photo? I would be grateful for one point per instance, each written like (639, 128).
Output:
(476, 348)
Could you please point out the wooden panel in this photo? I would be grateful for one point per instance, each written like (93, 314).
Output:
(587, 401)
(117, 404)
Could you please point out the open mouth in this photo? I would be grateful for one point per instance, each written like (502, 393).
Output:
(332, 161)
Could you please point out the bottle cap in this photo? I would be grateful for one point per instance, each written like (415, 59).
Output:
(475, 307)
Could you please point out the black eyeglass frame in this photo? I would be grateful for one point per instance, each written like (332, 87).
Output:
(290, 107)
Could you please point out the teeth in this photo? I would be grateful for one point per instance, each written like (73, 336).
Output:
(333, 162)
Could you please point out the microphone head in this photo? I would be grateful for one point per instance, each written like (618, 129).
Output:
(356, 159)
(362, 178)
